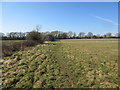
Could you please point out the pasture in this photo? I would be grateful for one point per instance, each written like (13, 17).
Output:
(68, 63)
(10, 41)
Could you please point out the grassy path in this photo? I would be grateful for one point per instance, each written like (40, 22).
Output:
(62, 63)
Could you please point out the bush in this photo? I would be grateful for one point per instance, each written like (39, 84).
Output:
(35, 36)
(9, 48)
(49, 38)
(16, 46)
(29, 43)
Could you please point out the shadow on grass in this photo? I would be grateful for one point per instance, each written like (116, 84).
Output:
(50, 43)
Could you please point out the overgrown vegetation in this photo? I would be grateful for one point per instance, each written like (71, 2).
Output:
(71, 63)
(32, 38)
(9, 48)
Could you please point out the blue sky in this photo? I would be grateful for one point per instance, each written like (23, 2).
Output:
(95, 17)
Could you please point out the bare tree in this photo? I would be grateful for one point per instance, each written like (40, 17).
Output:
(118, 34)
(81, 34)
(55, 33)
(70, 34)
(74, 35)
(2, 34)
(49, 37)
(98, 35)
(38, 27)
(47, 32)
(90, 35)
(11, 34)
(108, 35)
(64, 35)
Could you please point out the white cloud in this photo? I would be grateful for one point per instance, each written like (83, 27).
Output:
(106, 20)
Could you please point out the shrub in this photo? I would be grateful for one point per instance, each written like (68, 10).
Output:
(29, 43)
(35, 36)
(16, 46)
(9, 48)
(49, 38)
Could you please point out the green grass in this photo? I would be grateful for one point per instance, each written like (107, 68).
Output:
(80, 63)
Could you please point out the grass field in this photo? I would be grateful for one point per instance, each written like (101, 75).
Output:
(10, 41)
(71, 63)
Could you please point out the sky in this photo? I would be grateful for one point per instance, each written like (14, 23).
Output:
(96, 17)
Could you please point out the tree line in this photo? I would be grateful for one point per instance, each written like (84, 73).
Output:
(35, 37)
(57, 35)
